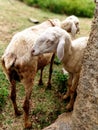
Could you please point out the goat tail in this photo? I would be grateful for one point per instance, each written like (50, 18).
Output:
(8, 60)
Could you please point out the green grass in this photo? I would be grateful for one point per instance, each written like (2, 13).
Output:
(3, 83)
(82, 8)
(45, 105)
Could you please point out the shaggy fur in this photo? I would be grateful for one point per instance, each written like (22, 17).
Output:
(19, 65)
(71, 25)
(70, 53)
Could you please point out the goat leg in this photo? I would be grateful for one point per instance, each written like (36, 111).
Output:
(73, 91)
(40, 80)
(68, 87)
(50, 72)
(13, 97)
(26, 106)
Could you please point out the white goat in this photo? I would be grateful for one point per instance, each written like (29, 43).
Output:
(70, 53)
(20, 66)
(71, 25)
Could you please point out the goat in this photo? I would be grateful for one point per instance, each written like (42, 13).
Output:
(18, 65)
(70, 53)
(71, 25)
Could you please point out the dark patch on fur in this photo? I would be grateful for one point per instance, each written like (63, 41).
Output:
(14, 75)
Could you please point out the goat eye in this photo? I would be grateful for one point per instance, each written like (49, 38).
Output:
(77, 23)
(48, 41)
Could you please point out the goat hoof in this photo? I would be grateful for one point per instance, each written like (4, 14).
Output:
(69, 107)
(28, 125)
(18, 113)
(40, 83)
(48, 87)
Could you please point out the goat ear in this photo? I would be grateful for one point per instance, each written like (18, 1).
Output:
(60, 49)
(55, 22)
(73, 30)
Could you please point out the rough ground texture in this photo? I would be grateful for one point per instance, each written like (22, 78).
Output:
(85, 115)
(62, 123)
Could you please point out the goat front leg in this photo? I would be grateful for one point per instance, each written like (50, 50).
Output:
(13, 97)
(73, 91)
(40, 80)
(68, 86)
(50, 72)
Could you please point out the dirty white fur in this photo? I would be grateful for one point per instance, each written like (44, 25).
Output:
(70, 53)
(71, 25)
(18, 63)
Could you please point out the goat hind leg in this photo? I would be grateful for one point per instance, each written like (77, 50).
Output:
(69, 106)
(13, 97)
(50, 72)
(73, 92)
(68, 87)
(26, 105)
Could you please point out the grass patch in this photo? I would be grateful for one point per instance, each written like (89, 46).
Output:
(60, 80)
(83, 8)
(47, 107)
(3, 83)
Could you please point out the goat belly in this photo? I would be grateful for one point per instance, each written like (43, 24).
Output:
(44, 60)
